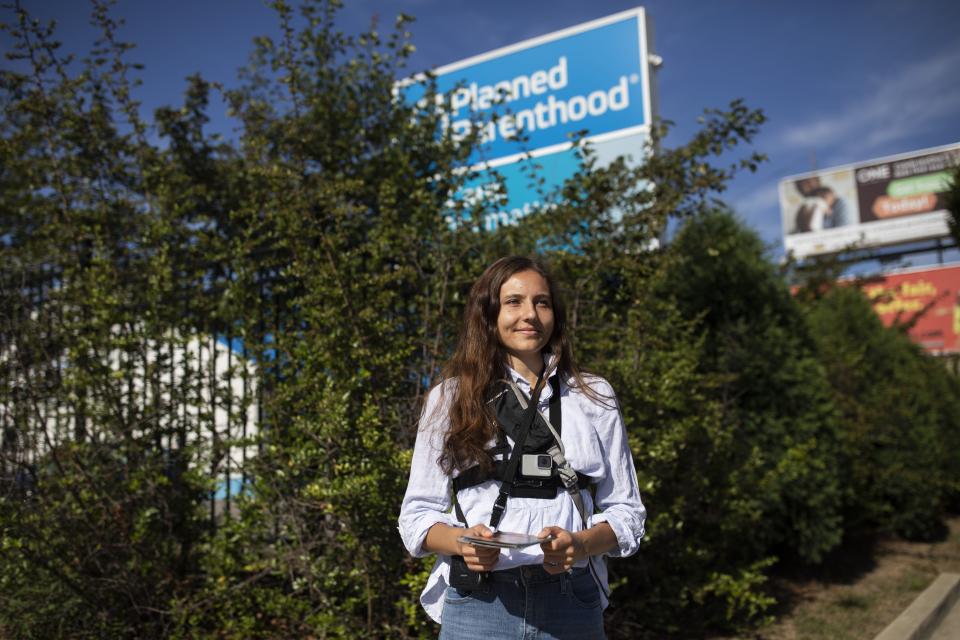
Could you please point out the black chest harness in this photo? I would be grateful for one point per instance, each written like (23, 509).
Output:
(538, 475)
(544, 472)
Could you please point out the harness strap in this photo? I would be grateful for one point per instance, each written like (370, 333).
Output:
(506, 485)
(556, 417)
(570, 479)
(475, 475)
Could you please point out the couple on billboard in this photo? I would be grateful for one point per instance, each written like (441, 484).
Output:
(821, 209)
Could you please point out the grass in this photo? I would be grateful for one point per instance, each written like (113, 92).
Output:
(858, 597)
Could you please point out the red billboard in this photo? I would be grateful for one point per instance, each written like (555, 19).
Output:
(928, 297)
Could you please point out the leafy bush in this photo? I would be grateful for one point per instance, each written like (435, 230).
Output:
(900, 415)
(321, 240)
(732, 426)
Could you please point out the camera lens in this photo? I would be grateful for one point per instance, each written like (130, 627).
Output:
(544, 461)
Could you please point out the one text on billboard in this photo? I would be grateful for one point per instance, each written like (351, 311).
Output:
(925, 299)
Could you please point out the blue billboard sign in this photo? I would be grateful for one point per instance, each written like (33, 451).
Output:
(524, 194)
(530, 99)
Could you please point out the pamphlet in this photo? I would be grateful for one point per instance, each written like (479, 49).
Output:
(505, 540)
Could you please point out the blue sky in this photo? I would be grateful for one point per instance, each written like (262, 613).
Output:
(840, 82)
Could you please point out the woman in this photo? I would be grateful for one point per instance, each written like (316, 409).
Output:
(514, 332)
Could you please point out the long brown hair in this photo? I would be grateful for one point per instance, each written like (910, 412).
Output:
(480, 362)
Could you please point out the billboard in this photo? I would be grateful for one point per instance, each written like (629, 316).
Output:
(928, 297)
(530, 99)
(875, 203)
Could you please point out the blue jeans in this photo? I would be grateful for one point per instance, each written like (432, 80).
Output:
(526, 603)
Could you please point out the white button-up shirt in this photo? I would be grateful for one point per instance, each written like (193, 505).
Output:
(595, 443)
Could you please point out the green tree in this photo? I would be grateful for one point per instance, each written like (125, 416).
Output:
(899, 419)
(371, 283)
(320, 240)
(758, 343)
(733, 435)
(104, 482)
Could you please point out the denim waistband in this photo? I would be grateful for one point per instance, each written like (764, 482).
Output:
(534, 574)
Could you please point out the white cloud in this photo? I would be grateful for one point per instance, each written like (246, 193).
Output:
(902, 105)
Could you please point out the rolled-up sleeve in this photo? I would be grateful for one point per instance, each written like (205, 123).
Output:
(427, 500)
(617, 493)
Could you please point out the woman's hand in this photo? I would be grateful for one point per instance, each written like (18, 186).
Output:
(566, 549)
(561, 553)
(478, 558)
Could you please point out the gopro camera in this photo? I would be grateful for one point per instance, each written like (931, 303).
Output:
(536, 465)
